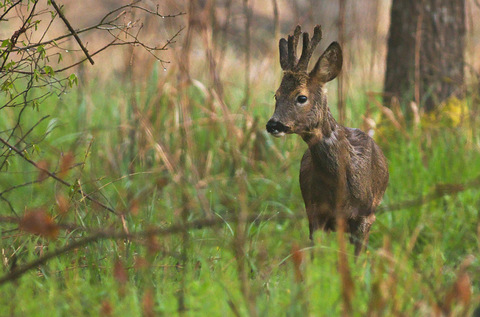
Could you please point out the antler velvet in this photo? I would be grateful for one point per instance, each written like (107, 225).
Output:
(288, 49)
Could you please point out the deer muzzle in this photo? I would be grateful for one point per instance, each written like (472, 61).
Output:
(276, 128)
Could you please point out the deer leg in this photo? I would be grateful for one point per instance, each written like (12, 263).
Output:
(311, 228)
(357, 240)
(360, 237)
(313, 224)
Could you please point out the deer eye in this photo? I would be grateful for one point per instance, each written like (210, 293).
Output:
(302, 99)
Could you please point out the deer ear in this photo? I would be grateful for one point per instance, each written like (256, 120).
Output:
(329, 64)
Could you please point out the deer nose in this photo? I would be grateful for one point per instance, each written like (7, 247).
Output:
(276, 127)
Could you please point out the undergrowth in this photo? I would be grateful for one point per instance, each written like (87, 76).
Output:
(163, 156)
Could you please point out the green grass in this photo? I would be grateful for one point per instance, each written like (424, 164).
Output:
(411, 265)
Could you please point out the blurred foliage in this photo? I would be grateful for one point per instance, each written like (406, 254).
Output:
(450, 114)
(169, 148)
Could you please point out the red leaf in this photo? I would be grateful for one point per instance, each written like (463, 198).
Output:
(106, 309)
(62, 203)
(134, 206)
(461, 290)
(43, 167)
(297, 257)
(152, 244)
(39, 222)
(141, 263)
(148, 303)
(120, 273)
(66, 163)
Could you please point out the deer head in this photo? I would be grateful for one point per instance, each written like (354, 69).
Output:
(301, 102)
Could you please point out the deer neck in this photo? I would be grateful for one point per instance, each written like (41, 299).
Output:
(326, 143)
(325, 128)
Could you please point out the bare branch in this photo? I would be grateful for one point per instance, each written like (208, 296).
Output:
(440, 190)
(135, 41)
(72, 30)
(9, 205)
(52, 175)
(133, 5)
(110, 234)
(16, 35)
(10, 8)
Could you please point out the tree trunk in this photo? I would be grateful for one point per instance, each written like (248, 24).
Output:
(425, 51)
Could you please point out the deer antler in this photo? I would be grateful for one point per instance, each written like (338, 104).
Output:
(288, 49)
(309, 47)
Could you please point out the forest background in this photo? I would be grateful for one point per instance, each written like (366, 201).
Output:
(136, 175)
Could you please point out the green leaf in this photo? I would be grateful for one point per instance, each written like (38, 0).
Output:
(7, 164)
(49, 70)
(35, 148)
(36, 105)
(41, 51)
(52, 124)
(36, 75)
(7, 85)
(9, 65)
(72, 80)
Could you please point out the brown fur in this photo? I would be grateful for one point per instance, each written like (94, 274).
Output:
(343, 173)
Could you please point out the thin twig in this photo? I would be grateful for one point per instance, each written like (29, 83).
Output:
(248, 16)
(31, 129)
(20, 186)
(418, 49)
(106, 234)
(72, 30)
(133, 5)
(16, 35)
(114, 43)
(10, 8)
(61, 37)
(9, 205)
(52, 175)
(341, 78)
(439, 191)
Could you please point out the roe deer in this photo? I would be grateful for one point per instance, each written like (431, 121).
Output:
(343, 174)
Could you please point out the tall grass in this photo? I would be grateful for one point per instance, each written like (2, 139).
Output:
(412, 261)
